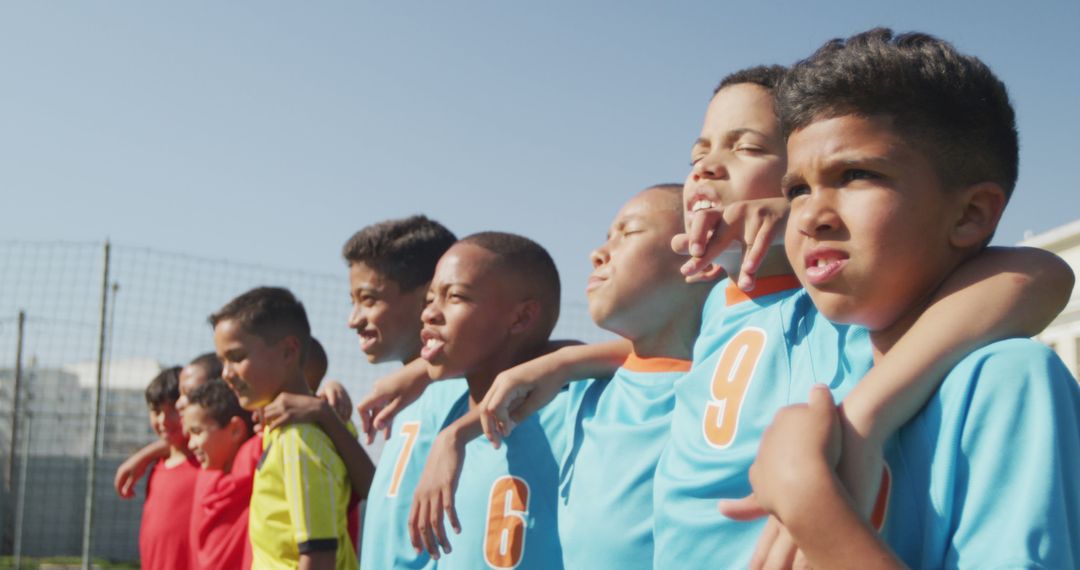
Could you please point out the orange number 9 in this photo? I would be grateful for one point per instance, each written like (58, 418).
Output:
(732, 378)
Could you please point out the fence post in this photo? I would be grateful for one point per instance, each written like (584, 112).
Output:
(94, 420)
(21, 493)
(15, 397)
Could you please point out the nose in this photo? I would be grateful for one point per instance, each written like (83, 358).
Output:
(710, 167)
(600, 256)
(432, 313)
(356, 317)
(228, 374)
(815, 214)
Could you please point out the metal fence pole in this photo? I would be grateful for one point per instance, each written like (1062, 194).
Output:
(94, 420)
(15, 396)
(20, 496)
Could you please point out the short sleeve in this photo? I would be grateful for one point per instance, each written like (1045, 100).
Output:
(310, 488)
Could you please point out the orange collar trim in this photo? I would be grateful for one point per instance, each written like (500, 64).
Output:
(635, 363)
(764, 286)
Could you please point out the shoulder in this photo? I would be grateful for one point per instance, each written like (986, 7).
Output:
(305, 440)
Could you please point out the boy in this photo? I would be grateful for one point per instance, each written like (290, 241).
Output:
(300, 493)
(169, 488)
(893, 184)
(492, 303)
(390, 267)
(758, 350)
(219, 435)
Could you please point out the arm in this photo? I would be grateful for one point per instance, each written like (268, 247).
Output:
(334, 393)
(133, 468)
(317, 561)
(391, 394)
(296, 408)
(519, 391)
(1001, 293)
(793, 479)
(434, 493)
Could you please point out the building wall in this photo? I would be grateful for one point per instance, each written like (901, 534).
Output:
(1063, 334)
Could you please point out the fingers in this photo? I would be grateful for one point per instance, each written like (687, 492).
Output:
(765, 543)
(436, 514)
(782, 553)
(744, 509)
(801, 563)
(680, 244)
(451, 512)
(385, 418)
(367, 409)
(757, 245)
(414, 525)
(701, 229)
(821, 400)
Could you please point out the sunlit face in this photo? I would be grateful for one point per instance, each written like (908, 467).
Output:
(740, 153)
(468, 318)
(386, 318)
(253, 369)
(165, 421)
(191, 377)
(635, 280)
(868, 233)
(213, 445)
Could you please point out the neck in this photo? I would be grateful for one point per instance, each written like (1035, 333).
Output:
(672, 339)
(176, 456)
(296, 385)
(481, 379)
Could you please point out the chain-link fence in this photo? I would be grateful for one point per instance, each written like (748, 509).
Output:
(74, 313)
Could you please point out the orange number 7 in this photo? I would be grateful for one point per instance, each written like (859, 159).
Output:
(409, 430)
(732, 377)
(504, 538)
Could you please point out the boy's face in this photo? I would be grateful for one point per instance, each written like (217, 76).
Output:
(386, 318)
(191, 377)
(868, 233)
(255, 370)
(212, 444)
(469, 313)
(165, 421)
(635, 279)
(739, 154)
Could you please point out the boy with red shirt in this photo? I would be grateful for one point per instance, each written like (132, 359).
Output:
(171, 481)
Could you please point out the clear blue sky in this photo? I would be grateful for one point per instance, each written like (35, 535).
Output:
(268, 132)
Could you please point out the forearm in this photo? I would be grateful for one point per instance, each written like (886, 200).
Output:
(154, 450)
(317, 561)
(593, 360)
(464, 429)
(1001, 293)
(357, 463)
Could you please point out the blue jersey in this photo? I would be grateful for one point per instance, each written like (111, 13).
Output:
(385, 538)
(619, 427)
(756, 353)
(506, 497)
(987, 475)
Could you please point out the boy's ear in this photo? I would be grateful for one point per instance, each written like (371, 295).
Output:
(981, 207)
(237, 429)
(526, 315)
(290, 347)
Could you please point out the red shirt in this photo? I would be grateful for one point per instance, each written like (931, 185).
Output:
(219, 519)
(162, 543)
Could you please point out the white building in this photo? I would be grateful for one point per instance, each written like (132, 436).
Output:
(1063, 335)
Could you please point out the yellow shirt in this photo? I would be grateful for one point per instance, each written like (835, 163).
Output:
(299, 500)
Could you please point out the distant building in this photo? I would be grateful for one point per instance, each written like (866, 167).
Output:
(1063, 335)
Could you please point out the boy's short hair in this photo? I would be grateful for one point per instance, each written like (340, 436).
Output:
(952, 106)
(220, 402)
(315, 364)
(529, 261)
(270, 313)
(767, 76)
(164, 388)
(208, 362)
(404, 250)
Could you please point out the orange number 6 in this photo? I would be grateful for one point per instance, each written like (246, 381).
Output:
(409, 430)
(732, 377)
(504, 538)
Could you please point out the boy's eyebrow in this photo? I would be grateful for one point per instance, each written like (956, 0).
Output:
(790, 179)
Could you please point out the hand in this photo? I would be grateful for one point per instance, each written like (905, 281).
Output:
(128, 475)
(334, 394)
(293, 408)
(133, 468)
(709, 232)
(518, 392)
(389, 395)
(434, 495)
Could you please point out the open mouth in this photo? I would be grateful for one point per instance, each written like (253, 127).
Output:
(824, 265)
(368, 340)
(699, 202)
(433, 345)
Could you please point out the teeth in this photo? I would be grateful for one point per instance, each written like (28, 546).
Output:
(822, 263)
(432, 342)
(700, 205)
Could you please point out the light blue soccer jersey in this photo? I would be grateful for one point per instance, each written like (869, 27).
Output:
(506, 497)
(757, 352)
(619, 427)
(385, 538)
(987, 475)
